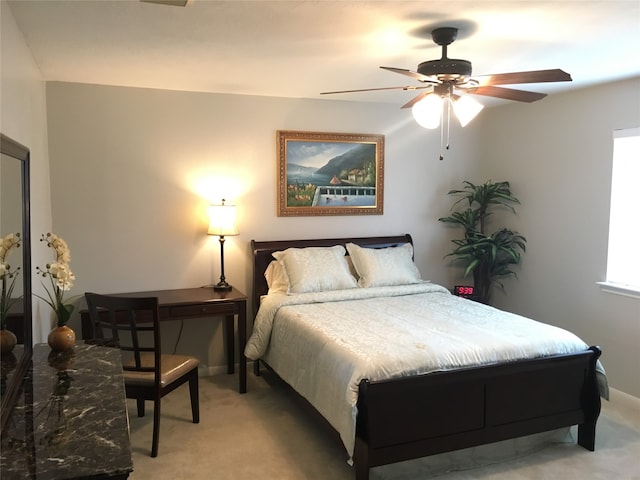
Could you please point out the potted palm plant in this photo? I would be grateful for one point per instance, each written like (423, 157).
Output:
(489, 256)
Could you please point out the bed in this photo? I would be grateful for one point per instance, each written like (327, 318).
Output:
(385, 409)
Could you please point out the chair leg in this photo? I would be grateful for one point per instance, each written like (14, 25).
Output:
(193, 393)
(156, 427)
(140, 403)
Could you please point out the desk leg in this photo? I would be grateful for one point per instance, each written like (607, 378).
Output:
(242, 341)
(228, 332)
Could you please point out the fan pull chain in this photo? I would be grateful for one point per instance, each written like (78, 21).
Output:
(448, 121)
(442, 129)
(441, 133)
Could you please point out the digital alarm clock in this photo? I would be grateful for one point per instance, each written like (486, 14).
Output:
(464, 291)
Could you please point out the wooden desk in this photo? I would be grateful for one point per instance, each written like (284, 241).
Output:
(197, 303)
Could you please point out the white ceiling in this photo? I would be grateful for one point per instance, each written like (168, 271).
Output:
(301, 48)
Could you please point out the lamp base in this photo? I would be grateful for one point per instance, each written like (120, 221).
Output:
(222, 287)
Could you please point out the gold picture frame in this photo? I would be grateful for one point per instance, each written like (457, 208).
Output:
(322, 174)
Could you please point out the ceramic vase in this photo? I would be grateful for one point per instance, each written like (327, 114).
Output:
(8, 340)
(61, 339)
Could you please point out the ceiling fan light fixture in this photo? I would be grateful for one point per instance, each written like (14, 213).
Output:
(466, 109)
(427, 112)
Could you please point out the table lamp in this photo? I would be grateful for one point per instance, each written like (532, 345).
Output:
(222, 222)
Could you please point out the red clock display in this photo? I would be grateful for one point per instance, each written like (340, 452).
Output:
(463, 291)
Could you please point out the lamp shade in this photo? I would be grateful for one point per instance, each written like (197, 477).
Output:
(222, 220)
(466, 109)
(427, 111)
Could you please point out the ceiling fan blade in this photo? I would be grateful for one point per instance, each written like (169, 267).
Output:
(411, 73)
(507, 93)
(415, 100)
(408, 87)
(533, 76)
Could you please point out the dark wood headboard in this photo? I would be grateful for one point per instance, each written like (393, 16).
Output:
(262, 254)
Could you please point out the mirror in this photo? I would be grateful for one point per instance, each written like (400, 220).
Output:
(15, 218)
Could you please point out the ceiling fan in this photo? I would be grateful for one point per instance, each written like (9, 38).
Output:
(449, 82)
(447, 77)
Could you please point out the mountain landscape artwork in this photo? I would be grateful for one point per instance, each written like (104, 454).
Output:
(330, 174)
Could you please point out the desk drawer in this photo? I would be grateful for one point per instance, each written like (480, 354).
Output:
(203, 309)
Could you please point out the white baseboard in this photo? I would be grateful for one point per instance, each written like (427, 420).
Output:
(209, 370)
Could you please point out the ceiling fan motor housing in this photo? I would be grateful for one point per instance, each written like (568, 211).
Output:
(445, 68)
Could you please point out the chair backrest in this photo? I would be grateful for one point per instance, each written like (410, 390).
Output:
(131, 324)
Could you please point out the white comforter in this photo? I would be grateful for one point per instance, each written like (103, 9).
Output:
(323, 344)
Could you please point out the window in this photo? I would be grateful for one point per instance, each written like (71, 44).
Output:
(623, 260)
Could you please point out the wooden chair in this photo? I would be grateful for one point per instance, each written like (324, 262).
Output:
(132, 324)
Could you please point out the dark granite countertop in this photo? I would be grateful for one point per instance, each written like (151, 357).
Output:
(71, 419)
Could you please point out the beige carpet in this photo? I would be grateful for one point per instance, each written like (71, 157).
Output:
(269, 433)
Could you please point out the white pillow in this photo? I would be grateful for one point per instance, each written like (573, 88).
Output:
(277, 280)
(352, 269)
(379, 267)
(316, 269)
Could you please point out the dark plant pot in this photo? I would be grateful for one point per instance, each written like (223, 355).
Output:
(482, 284)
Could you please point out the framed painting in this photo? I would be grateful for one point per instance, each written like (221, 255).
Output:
(330, 174)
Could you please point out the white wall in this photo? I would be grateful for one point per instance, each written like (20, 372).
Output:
(128, 167)
(23, 118)
(557, 153)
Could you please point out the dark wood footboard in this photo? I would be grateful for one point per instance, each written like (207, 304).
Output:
(413, 417)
